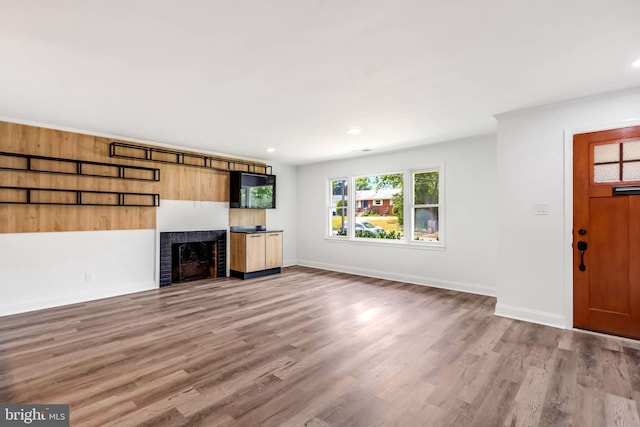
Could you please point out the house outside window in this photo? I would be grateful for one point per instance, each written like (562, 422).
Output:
(374, 218)
(384, 212)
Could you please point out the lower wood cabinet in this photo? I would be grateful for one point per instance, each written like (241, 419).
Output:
(273, 248)
(256, 254)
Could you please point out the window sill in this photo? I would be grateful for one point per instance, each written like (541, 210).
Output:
(387, 242)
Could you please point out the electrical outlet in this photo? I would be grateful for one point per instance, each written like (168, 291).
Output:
(88, 277)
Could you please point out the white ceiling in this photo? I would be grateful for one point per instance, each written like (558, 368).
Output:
(239, 76)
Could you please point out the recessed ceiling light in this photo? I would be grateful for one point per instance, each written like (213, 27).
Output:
(270, 150)
(353, 131)
(636, 63)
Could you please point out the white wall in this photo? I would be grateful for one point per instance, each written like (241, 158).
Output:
(534, 277)
(469, 260)
(42, 270)
(284, 216)
(187, 215)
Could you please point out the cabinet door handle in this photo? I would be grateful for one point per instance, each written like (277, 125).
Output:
(255, 235)
(276, 234)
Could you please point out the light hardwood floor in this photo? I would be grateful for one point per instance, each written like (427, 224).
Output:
(313, 348)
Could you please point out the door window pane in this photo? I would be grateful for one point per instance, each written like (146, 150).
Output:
(606, 173)
(606, 153)
(631, 150)
(631, 171)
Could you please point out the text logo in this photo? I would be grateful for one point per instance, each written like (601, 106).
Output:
(34, 415)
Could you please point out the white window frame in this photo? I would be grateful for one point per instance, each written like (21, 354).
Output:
(331, 208)
(409, 210)
(377, 202)
(409, 203)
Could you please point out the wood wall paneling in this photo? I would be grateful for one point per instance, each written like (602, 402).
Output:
(177, 182)
(175, 156)
(247, 217)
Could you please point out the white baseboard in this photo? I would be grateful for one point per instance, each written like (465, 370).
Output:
(533, 316)
(415, 280)
(40, 304)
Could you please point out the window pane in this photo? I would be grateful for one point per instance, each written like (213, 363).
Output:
(339, 222)
(426, 224)
(426, 188)
(339, 192)
(338, 210)
(631, 171)
(376, 217)
(631, 150)
(606, 173)
(606, 153)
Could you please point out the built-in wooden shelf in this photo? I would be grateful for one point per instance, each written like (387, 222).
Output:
(162, 155)
(56, 196)
(42, 164)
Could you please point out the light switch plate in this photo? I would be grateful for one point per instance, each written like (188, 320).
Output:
(541, 209)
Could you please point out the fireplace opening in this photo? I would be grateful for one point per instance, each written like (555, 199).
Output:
(191, 261)
(192, 255)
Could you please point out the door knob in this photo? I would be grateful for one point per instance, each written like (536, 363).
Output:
(582, 246)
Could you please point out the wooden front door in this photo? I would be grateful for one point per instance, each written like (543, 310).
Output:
(606, 231)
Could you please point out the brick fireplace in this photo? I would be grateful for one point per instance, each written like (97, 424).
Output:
(192, 255)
